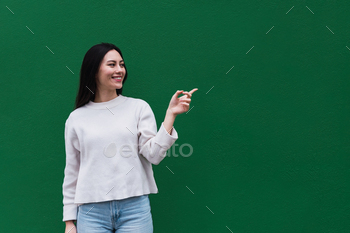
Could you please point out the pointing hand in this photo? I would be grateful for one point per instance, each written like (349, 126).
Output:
(181, 104)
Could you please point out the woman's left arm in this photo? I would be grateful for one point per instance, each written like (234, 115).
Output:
(176, 107)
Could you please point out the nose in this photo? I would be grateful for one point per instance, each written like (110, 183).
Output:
(118, 69)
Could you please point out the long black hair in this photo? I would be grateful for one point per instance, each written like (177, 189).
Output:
(89, 69)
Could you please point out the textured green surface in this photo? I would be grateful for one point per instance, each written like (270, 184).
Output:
(270, 139)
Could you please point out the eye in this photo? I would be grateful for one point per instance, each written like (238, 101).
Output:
(111, 64)
(122, 65)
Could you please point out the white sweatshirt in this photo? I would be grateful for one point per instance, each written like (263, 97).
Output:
(109, 150)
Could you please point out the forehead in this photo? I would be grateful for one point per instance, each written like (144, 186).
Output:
(112, 55)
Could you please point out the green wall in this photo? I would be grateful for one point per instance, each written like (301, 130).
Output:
(270, 136)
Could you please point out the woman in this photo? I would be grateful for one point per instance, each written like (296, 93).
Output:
(111, 143)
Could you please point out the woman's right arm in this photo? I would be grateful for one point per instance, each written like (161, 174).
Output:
(71, 173)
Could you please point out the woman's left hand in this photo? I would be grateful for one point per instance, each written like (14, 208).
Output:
(182, 104)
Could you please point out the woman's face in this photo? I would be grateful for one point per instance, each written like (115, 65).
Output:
(111, 73)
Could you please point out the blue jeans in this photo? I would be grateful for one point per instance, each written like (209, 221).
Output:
(118, 216)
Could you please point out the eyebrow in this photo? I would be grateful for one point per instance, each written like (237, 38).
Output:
(115, 61)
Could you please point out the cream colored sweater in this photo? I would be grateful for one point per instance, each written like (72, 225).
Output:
(110, 148)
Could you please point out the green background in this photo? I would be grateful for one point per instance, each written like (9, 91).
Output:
(270, 136)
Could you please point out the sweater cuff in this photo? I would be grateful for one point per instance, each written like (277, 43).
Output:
(165, 139)
(70, 212)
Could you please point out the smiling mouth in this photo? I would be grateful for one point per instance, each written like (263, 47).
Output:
(118, 79)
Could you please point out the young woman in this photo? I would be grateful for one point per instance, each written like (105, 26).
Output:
(111, 142)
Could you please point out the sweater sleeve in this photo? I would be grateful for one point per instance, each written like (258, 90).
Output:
(70, 172)
(153, 145)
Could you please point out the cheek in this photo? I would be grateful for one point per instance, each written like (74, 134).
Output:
(107, 72)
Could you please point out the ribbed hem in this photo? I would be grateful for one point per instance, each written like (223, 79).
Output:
(70, 212)
(168, 140)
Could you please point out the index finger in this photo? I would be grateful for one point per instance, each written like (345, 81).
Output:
(193, 90)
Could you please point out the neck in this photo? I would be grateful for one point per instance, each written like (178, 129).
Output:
(105, 96)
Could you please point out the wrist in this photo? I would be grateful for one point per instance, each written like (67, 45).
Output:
(170, 113)
(70, 222)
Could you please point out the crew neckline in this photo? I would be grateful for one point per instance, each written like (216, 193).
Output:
(107, 104)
